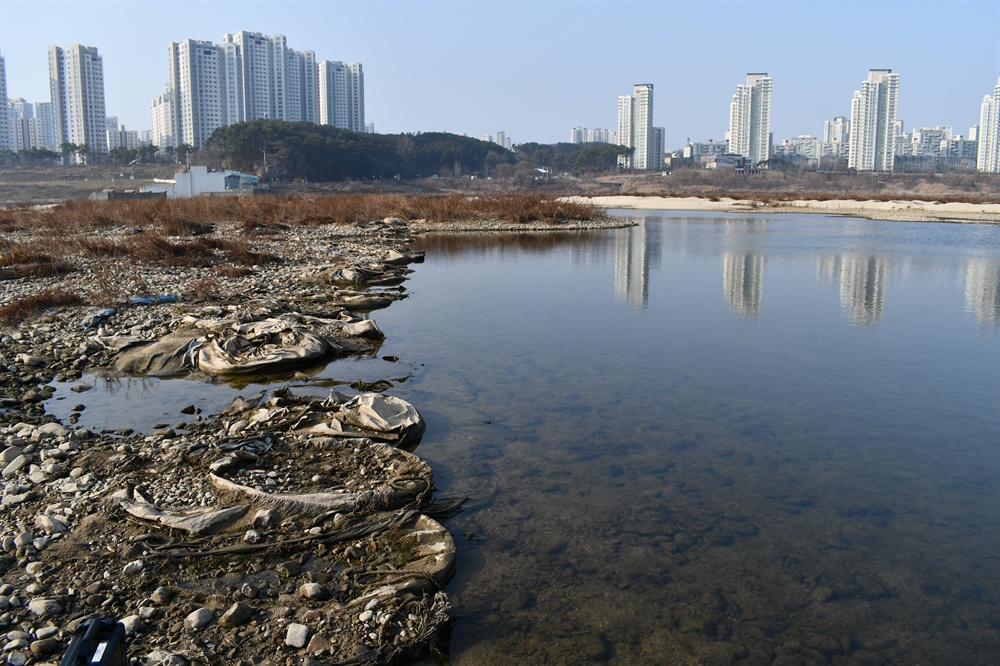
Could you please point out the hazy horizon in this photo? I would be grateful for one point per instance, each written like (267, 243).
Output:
(537, 69)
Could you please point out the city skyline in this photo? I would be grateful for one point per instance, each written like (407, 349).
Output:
(534, 70)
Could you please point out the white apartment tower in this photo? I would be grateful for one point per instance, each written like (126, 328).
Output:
(988, 155)
(161, 115)
(750, 119)
(342, 95)
(268, 80)
(76, 85)
(6, 134)
(837, 130)
(635, 127)
(196, 97)
(873, 122)
(250, 76)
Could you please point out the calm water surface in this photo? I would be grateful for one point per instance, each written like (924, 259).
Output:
(708, 438)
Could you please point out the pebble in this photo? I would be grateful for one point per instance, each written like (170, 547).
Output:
(132, 568)
(161, 596)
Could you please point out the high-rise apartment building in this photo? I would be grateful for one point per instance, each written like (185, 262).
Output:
(76, 85)
(161, 113)
(873, 122)
(837, 130)
(6, 134)
(635, 127)
(750, 119)
(197, 94)
(248, 77)
(988, 154)
(342, 95)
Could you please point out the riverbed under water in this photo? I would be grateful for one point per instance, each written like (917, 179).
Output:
(702, 439)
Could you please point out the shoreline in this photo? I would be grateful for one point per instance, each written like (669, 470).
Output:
(899, 210)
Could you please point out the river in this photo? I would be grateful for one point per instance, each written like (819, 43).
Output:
(709, 438)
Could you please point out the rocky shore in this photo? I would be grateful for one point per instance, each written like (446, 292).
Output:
(288, 529)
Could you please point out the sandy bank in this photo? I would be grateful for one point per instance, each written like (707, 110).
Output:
(915, 211)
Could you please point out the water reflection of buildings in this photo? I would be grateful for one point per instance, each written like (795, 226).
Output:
(862, 287)
(982, 291)
(632, 251)
(743, 282)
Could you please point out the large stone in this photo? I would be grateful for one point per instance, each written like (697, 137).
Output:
(45, 646)
(237, 615)
(9, 454)
(297, 635)
(53, 430)
(16, 465)
(44, 607)
(199, 619)
(313, 591)
(50, 524)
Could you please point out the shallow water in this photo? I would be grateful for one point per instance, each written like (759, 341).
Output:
(706, 438)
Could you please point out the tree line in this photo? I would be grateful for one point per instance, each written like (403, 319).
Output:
(280, 150)
(321, 153)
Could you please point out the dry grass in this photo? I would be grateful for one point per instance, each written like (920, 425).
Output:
(34, 305)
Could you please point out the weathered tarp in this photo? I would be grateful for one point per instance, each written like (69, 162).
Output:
(225, 348)
(263, 346)
(384, 414)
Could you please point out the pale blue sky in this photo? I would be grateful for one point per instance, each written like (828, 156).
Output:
(537, 69)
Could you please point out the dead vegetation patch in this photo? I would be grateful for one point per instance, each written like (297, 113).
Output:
(31, 306)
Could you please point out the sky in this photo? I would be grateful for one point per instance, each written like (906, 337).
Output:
(539, 68)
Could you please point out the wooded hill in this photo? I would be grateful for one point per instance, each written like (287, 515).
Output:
(320, 153)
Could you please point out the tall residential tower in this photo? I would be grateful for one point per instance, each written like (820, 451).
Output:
(873, 122)
(342, 95)
(750, 119)
(250, 76)
(635, 127)
(988, 158)
(6, 135)
(76, 84)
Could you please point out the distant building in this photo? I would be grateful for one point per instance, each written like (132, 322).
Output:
(584, 135)
(602, 136)
(251, 76)
(44, 131)
(119, 137)
(836, 137)
(988, 158)
(161, 114)
(873, 122)
(837, 130)
(200, 180)
(657, 150)
(804, 151)
(930, 142)
(342, 95)
(635, 128)
(6, 134)
(197, 91)
(703, 152)
(750, 119)
(76, 85)
(19, 114)
(732, 161)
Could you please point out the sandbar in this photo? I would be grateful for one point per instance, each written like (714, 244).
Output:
(902, 210)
